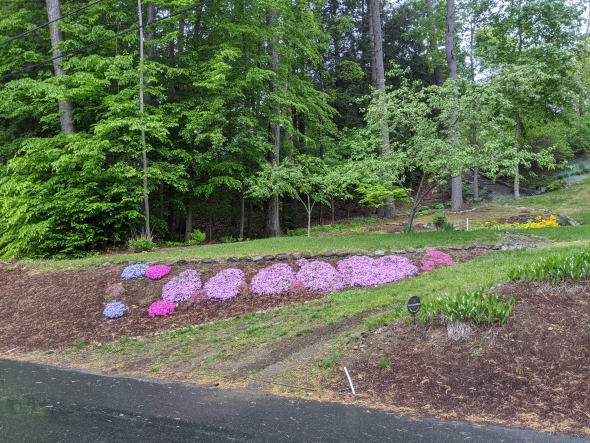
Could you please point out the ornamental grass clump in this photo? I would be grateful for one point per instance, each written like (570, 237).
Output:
(115, 309)
(435, 259)
(365, 271)
(225, 284)
(319, 276)
(134, 271)
(157, 272)
(180, 288)
(161, 308)
(273, 280)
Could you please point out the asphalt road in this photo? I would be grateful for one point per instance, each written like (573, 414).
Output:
(43, 404)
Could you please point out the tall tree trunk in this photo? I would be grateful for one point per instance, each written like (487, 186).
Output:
(242, 211)
(146, 203)
(66, 108)
(433, 44)
(188, 229)
(516, 162)
(474, 128)
(273, 228)
(377, 40)
(250, 211)
(456, 188)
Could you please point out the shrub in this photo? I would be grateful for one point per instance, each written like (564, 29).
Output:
(141, 242)
(134, 271)
(197, 237)
(435, 259)
(365, 271)
(439, 221)
(157, 272)
(114, 292)
(447, 226)
(555, 185)
(161, 308)
(115, 309)
(225, 284)
(319, 276)
(180, 288)
(273, 280)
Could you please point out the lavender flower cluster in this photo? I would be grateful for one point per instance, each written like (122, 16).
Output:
(161, 308)
(225, 284)
(115, 309)
(365, 271)
(435, 259)
(157, 272)
(134, 271)
(319, 276)
(180, 288)
(273, 280)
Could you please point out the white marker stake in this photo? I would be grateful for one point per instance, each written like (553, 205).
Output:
(468, 224)
(349, 381)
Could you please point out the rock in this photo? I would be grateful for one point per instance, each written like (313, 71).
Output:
(328, 254)
(388, 252)
(456, 248)
(317, 256)
(282, 256)
(232, 259)
(51, 351)
(341, 254)
(411, 250)
(195, 260)
(363, 346)
(257, 258)
(373, 329)
(246, 258)
(483, 246)
(181, 262)
(269, 257)
(370, 254)
(207, 260)
(497, 246)
(504, 247)
(399, 251)
(420, 251)
(296, 255)
(356, 252)
(219, 260)
(355, 348)
(442, 248)
(379, 253)
(469, 247)
(106, 263)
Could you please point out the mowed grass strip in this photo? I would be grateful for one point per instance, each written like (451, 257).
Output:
(252, 330)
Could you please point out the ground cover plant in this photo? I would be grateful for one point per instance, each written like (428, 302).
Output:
(435, 259)
(225, 284)
(180, 288)
(157, 272)
(115, 309)
(134, 271)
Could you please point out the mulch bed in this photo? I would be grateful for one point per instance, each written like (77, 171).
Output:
(532, 372)
(56, 309)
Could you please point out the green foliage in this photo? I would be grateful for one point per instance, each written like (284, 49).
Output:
(381, 194)
(556, 269)
(141, 244)
(197, 237)
(478, 306)
(439, 221)
(227, 239)
(555, 185)
(448, 226)
(383, 363)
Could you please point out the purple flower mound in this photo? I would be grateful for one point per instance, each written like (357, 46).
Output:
(115, 309)
(435, 259)
(180, 288)
(320, 276)
(273, 280)
(364, 271)
(157, 272)
(134, 271)
(161, 308)
(225, 284)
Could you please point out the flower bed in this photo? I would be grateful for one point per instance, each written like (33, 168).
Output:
(273, 280)
(365, 271)
(225, 284)
(180, 288)
(157, 272)
(161, 308)
(134, 271)
(435, 259)
(319, 276)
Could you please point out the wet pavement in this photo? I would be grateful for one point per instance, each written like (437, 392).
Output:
(44, 404)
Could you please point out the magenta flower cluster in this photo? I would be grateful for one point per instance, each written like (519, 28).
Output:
(273, 280)
(365, 271)
(157, 272)
(435, 259)
(225, 284)
(319, 276)
(180, 288)
(161, 308)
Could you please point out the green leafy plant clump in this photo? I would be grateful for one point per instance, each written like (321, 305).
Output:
(477, 306)
(141, 244)
(439, 221)
(197, 237)
(556, 269)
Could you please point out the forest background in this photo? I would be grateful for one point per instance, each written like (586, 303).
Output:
(226, 110)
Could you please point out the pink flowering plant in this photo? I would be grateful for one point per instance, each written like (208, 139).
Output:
(157, 272)
(319, 276)
(197, 297)
(226, 284)
(273, 280)
(114, 292)
(365, 271)
(180, 288)
(161, 308)
(435, 259)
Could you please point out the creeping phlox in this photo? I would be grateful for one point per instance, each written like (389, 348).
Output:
(225, 284)
(134, 271)
(114, 292)
(115, 309)
(180, 288)
(157, 272)
(273, 280)
(365, 271)
(435, 259)
(161, 308)
(319, 276)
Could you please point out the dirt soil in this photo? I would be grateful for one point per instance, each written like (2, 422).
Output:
(533, 372)
(54, 310)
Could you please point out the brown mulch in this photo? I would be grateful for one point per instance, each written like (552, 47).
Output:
(532, 372)
(56, 309)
